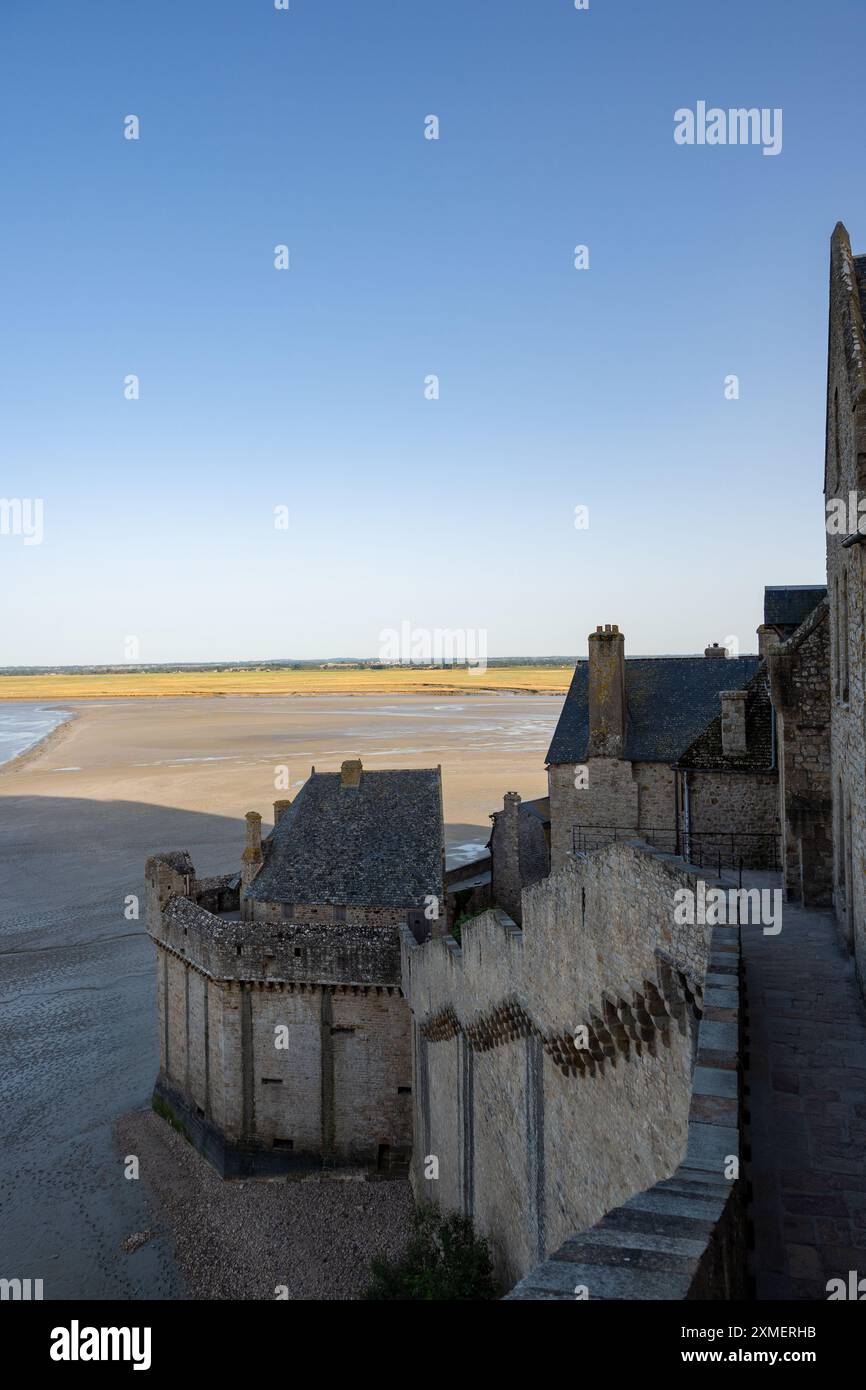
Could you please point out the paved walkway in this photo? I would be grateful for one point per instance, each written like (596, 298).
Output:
(806, 1100)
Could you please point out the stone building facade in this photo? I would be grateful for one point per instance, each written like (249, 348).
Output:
(625, 724)
(800, 677)
(284, 1033)
(727, 784)
(845, 498)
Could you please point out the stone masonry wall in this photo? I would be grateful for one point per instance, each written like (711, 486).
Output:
(656, 796)
(684, 1237)
(846, 583)
(338, 1091)
(311, 914)
(630, 796)
(739, 804)
(610, 797)
(538, 1129)
(800, 675)
(337, 1088)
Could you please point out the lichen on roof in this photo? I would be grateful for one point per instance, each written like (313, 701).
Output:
(669, 701)
(377, 844)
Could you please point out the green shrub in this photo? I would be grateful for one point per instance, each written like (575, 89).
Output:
(444, 1260)
(462, 919)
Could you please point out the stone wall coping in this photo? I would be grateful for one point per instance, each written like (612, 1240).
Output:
(492, 916)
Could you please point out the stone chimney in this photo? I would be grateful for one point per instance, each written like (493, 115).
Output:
(606, 692)
(280, 809)
(252, 859)
(714, 651)
(505, 853)
(350, 773)
(733, 722)
(768, 638)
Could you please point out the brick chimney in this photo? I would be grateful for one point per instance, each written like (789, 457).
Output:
(350, 773)
(606, 692)
(733, 722)
(280, 809)
(714, 651)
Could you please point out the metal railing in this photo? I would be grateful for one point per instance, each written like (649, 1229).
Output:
(718, 849)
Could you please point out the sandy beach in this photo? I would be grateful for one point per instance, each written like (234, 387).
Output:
(78, 816)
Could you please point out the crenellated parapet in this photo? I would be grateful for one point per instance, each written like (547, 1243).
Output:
(598, 931)
(229, 950)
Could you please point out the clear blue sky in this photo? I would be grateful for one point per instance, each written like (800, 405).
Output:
(410, 257)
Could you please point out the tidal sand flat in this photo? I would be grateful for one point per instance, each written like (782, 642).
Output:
(78, 818)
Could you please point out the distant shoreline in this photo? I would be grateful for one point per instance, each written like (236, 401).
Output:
(515, 680)
(40, 745)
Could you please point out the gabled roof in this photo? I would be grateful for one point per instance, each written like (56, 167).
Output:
(375, 844)
(814, 618)
(786, 606)
(706, 752)
(669, 701)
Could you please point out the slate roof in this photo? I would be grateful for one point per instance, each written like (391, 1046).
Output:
(669, 702)
(178, 859)
(375, 845)
(786, 606)
(706, 751)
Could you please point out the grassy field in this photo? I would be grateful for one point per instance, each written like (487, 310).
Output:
(393, 681)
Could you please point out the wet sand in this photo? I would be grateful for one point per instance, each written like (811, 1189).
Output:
(78, 817)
